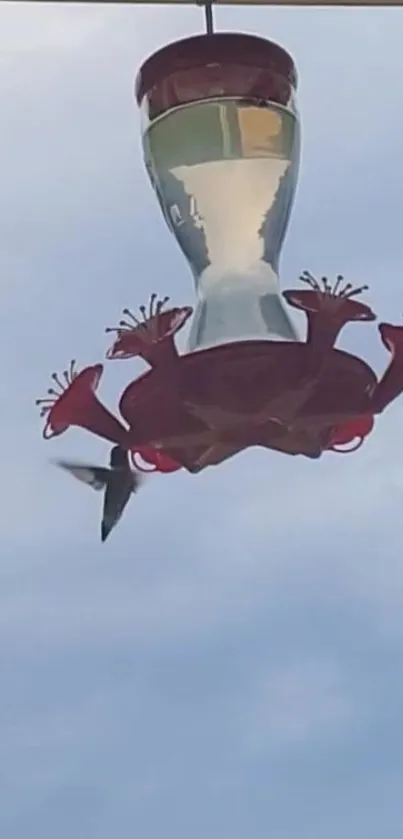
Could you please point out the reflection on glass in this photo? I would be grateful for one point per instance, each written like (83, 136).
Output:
(225, 173)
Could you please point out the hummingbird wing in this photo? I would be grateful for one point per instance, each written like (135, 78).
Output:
(94, 476)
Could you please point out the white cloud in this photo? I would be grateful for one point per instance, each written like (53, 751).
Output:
(301, 703)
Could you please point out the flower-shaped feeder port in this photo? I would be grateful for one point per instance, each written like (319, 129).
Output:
(391, 383)
(150, 337)
(328, 309)
(72, 401)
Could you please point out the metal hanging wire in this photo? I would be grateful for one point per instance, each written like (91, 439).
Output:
(208, 12)
(208, 15)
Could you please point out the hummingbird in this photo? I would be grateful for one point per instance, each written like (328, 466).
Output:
(118, 481)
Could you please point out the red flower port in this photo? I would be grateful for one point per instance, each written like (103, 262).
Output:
(328, 308)
(150, 337)
(391, 383)
(392, 337)
(72, 401)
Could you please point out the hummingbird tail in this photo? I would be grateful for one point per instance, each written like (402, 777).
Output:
(106, 528)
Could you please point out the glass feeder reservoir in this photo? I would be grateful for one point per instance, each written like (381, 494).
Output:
(221, 142)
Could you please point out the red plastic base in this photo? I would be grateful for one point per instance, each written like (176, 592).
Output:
(214, 403)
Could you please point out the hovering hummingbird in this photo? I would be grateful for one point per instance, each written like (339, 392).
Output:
(118, 481)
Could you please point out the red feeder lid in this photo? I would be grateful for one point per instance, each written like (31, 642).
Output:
(202, 62)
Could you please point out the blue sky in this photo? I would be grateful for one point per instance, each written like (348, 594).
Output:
(229, 664)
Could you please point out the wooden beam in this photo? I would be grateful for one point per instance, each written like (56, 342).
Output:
(318, 3)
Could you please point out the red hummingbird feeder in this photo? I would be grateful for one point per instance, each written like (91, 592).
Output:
(221, 141)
